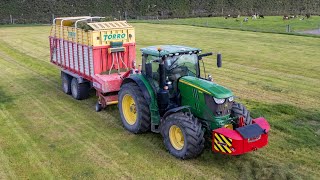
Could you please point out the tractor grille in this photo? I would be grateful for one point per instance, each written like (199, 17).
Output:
(218, 109)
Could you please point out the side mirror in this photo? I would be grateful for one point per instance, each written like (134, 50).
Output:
(219, 60)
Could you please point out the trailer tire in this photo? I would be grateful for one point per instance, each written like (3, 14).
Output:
(98, 107)
(238, 110)
(191, 144)
(79, 91)
(134, 109)
(66, 83)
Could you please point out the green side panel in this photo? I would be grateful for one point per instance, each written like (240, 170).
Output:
(205, 86)
(153, 106)
(192, 97)
(192, 92)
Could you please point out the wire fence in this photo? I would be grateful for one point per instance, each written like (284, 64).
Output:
(273, 24)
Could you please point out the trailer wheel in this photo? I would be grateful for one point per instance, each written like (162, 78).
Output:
(183, 135)
(134, 109)
(98, 107)
(66, 83)
(79, 91)
(240, 110)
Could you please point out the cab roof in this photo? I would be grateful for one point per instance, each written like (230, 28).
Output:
(168, 50)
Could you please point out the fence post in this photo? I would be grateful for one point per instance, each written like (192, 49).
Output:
(11, 19)
(288, 28)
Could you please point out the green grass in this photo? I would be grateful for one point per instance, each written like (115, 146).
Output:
(46, 134)
(268, 24)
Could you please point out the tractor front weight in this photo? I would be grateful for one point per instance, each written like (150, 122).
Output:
(241, 140)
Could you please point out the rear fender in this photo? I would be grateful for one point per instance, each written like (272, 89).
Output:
(149, 95)
(140, 83)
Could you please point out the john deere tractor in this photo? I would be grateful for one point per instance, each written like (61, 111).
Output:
(168, 96)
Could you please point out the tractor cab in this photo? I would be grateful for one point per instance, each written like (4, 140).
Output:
(176, 61)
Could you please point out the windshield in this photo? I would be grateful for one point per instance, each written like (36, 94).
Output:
(185, 62)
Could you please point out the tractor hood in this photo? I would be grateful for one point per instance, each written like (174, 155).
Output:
(205, 86)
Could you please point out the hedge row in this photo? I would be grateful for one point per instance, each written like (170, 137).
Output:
(42, 11)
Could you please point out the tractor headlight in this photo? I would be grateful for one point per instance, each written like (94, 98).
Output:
(230, 99)
(219, 101)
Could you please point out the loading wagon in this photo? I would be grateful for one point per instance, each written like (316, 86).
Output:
(92, 53)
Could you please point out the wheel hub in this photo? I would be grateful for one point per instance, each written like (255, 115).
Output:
(176, 137)
(133, 108)
(129, 109)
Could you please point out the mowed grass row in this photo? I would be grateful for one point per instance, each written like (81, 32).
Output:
(268, 24)
(45, 133)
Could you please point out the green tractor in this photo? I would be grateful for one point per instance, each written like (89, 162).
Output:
(168, 96)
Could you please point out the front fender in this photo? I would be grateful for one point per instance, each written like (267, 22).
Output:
(174, 110)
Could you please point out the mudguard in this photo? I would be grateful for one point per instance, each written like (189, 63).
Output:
(241, 140)
(140, 83)
(149, 95)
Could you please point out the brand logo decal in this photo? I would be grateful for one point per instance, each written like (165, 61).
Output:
(108, 37)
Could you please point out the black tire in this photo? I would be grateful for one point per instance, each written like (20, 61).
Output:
(79, 91)
(66, 83)
(193, 135)
(240, 110)
(142, 122)
(98, 107)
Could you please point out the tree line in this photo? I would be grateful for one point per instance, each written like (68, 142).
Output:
(42, 11)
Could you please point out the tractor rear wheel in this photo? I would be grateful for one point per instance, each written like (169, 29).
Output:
(238, 110)
(183, 135)
(79, 91)
(66, 83)
(134, 109)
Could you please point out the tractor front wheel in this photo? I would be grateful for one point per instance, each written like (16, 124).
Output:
(240, 110)
(134, 109)
(183, 135)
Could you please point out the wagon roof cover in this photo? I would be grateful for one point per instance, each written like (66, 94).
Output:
(109, 25)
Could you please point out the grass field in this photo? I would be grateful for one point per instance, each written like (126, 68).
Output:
(46, 134)
(268, 24)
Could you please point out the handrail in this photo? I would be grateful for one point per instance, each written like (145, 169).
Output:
(68, 18)
(90, 18)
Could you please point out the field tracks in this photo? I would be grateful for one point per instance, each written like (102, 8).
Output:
(36, 157)
(6, 172)
(95, 152)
